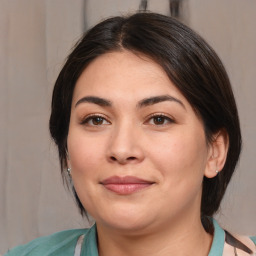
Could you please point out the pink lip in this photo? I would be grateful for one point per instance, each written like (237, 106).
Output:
(125, 185)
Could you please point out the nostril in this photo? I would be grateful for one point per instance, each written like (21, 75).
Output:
(113, 158)
(131, 158)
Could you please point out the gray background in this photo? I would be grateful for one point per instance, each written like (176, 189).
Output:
(35, 37)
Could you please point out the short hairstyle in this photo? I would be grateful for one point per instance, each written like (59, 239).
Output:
(190, 63)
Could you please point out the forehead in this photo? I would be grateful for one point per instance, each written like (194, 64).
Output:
(124, 74)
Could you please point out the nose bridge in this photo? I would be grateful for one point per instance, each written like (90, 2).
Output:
(124, 144)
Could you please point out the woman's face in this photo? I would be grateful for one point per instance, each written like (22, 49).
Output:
(136, 148)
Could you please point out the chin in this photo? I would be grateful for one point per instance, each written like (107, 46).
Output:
(129, 227)
(128, 221)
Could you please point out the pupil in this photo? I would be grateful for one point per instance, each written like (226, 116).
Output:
(97, 120)
(159, 120)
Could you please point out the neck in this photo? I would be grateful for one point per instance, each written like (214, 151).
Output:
(177, 239)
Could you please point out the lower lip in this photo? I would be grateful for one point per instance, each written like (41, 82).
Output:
(126, 189)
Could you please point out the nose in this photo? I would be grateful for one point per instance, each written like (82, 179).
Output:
(125, 145)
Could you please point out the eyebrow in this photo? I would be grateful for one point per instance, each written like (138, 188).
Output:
(157, 99)
(95, 100)
(142, 103)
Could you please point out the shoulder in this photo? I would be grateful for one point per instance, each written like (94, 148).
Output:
(242, 245)
(253, 238)
(226, 244)
(54, 244)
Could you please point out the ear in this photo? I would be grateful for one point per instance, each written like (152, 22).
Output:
(217, 154)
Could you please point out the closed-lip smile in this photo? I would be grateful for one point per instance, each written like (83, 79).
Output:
(125, 185)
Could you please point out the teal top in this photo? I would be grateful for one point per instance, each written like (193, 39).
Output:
(64, 243)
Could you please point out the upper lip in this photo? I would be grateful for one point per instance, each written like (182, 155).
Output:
(125, 180)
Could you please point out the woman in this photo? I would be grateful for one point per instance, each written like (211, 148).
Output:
(148, 135)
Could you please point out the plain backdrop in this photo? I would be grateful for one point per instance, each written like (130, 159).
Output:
(35, 38)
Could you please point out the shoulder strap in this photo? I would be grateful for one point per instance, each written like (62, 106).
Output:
(231, 240)
(79, 245)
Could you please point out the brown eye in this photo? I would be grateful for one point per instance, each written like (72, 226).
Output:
(160, 120)
(95, 121)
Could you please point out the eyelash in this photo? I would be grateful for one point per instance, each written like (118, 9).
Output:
(166, 119)
(91, 118)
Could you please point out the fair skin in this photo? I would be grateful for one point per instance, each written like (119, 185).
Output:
(138, 155)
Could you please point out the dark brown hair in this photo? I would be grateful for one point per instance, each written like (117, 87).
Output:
(191, 64)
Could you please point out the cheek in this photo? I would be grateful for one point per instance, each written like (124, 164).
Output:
(86, 154)
(86, 159)
(180, 162)
(180, 155)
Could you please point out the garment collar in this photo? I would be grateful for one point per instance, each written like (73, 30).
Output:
(90, 241)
